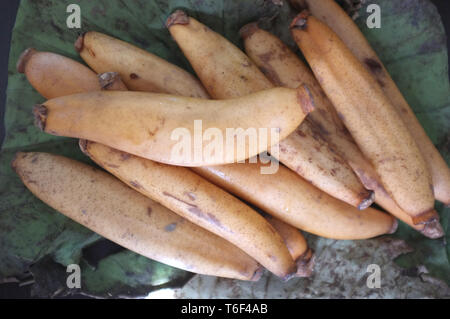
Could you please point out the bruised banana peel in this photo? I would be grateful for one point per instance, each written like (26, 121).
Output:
(117, 118)
(227, 72)
(369, 115)
(284, 68)
(199, 201)
(108, 207)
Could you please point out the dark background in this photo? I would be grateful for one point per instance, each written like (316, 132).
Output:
(8, 9)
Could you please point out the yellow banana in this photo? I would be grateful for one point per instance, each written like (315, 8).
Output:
(54, 75)
(199, 201)
(139, 69)
(144, 123)
(227, 72)
(110, 208)
(329, 12)
(291, 199)
(284, 68)
(368, 114)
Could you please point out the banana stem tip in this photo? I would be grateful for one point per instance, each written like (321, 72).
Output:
(40, 113)
(107, 79)
(178, 17)
(23, 59)
(248, 30)
(366, 202)
(305, 264)
(79, 42)
(300, 21)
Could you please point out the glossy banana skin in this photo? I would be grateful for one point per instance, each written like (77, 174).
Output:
(284, 68)
(139, 69)
(329, 12)
(201, 202)
(369, 115)
(107, 206)
(230, 73)
(54, 75)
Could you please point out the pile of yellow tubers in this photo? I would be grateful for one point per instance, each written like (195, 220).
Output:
(346, 138)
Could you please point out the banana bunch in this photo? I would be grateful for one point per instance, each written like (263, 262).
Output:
(346, 139)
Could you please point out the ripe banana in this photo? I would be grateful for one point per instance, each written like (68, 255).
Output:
(139, 69)
(368, 114)
(293, 200)
(54, 75)
(144, 123)
(199, 201)
(329, 12)
(227, 72)
(284, 68)
(297, 245)
(110, 208)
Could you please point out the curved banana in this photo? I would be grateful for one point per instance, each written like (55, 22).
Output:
(297, 245)
(284, 68)
(54, 75)
(227, 72)
(199, 201)
(165, 127)
(105, 205)
(368, 114)
(329, 12)
(291, 199)
(139, 69)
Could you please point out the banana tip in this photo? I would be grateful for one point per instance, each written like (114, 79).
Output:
(23, 59)
(177, 17)
(84, 146)
(425, 217)
(107, 79)
(305, 99)
(248, 30)
(433, 230)
(40, 116)
(393, 227)
(300, 21)
(14, 160)
(366, 202)
(305, 264)
(79, 42)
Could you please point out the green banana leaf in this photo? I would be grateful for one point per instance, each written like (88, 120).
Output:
(36, 240)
